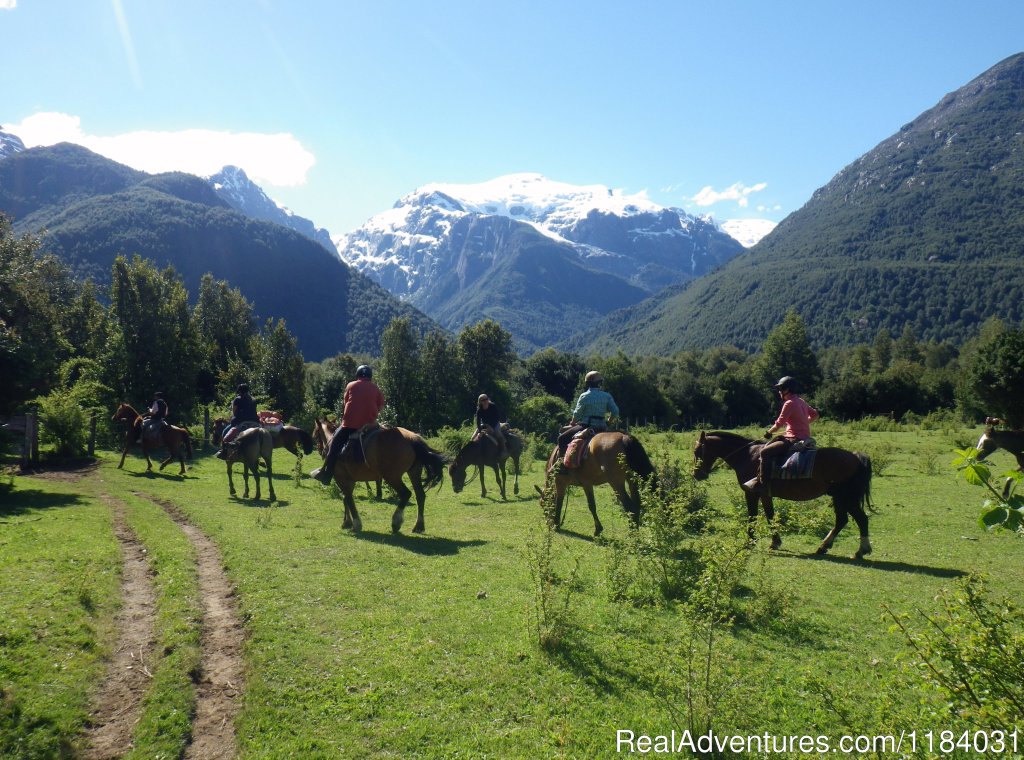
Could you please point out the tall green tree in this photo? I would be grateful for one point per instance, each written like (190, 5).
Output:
(400, 376)
(278, 369)
(787, 351)
(485, 350)
(441, 370)
(154, 343)
(226, 325)
(997, 376)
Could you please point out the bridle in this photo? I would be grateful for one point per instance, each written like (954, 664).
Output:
(708, 469)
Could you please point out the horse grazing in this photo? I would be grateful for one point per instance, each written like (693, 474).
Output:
(482, 452)
(248, 448)
(1007, 440)
(173, 438)
(295, 439)
(603, 463)
(388, 454)
(841, 474)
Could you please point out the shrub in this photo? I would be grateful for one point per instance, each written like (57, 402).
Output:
(542, 415)
(63, 424)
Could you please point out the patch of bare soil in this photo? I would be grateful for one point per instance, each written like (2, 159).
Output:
(70, 472)
(118, 704)
(221, 668)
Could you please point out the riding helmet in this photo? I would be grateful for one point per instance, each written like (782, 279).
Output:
(786, 383)
(593, 379)
(364, 371)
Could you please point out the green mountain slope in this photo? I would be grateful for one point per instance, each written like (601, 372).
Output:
(925, 229)
(176, 219)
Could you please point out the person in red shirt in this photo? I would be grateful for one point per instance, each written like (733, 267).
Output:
(796, 416)
(363, 402)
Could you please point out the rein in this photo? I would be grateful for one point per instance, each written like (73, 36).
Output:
(725, 457)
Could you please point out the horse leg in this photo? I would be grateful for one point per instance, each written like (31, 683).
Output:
(245, 477)
(499, 475)
(403, 498)
(256, 475)
(270, 479)
(231, 482)
(631, 507)
(752, 501)
(351, 513)
(515, 483)
(421, 499)
(769, 515)
(124, 453)
(483, 488)
(841, 519)
(589, 491)
(860, 517)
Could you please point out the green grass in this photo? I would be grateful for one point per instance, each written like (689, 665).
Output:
(426, 646)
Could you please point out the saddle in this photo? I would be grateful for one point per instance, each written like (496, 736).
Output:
(797, 464)
(577, 450)
(355, 447)
(238, 430)
(151, 429)
(271, 421)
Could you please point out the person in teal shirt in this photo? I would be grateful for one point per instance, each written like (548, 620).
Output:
(592, 409)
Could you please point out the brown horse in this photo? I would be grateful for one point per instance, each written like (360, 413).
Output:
(389, 453)
(841, 474)
(295, 439)
(173, 438)
(606, 454)
(482, 452)
(249, 447)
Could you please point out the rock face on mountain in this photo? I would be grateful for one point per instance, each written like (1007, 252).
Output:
(461, 252)
(88, 210)
(10, 144)
(234, 187)
(926, 229)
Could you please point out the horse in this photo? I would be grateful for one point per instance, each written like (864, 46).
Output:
(173, 438)
(615, 458)
(295, 439)
(841, 474)
(483, 452)
(1007, 440)
(248, 448)
(388, 454)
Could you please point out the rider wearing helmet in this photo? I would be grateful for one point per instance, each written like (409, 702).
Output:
(488, 422)
(363, 402)
(591, 410)
(796, 416)
(243, 410)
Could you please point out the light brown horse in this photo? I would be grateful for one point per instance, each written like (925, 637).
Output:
(482, 452)
(390, 453)
(173, 438)
(603, 463)
(294, 439)
(841, 474)
(248, 448)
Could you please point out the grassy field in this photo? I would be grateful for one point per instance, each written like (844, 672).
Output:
(429, 645)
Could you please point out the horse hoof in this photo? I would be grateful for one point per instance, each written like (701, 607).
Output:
(821, 550)
(776, 543)
(419, 529)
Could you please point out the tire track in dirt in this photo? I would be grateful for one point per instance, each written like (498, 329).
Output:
(118, 704)
(221, 677)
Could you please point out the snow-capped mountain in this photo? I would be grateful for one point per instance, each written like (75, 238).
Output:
(234, 187)
(409, 247)
(10, 144)
(748, 232)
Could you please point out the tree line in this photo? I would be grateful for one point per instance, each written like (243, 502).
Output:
(69, 347)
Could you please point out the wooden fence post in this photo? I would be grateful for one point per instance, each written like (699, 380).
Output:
(206, 425)
(92, 434)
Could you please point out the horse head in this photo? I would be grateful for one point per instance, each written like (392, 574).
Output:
(702, 461)
(457, 472)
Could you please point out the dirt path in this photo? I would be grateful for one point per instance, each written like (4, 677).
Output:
(118, 704)
(222, 670)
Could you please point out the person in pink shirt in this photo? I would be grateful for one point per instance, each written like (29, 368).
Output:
(796, 417)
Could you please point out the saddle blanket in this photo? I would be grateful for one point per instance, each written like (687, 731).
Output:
(799, 464)
(577, 449)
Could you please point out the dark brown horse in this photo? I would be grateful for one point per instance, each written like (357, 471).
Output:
(388, 455)
(483, 452)
(841, 474)
(606, 453)
(295, 439)
(249, 447)
(175, 439)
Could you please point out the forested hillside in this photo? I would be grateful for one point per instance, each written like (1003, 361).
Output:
(93, 210)
(925, 230)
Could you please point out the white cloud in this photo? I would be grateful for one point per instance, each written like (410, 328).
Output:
(738, 192)
(8, 5)
(269, 159)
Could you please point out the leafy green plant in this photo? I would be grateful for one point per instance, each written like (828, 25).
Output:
(62, 423)
(552, 590)
(1005, 509)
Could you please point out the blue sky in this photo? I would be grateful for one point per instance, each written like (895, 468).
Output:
(738, 109)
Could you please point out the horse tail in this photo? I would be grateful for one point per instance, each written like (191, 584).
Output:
(861, 481)
(432, 461)
(637, 459)
(307, 441)
(188, 444)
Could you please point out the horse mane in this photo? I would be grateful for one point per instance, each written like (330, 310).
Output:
(729, 436)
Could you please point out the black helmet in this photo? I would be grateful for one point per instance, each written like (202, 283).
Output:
(364, 371)
(786, 383)
(242, 389)
(158, 394)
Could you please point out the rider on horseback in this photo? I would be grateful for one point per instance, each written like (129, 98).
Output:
(591, 410)
(796, 416)
(243, 410)
(153, 420)
(488, 422)
(363, 402)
